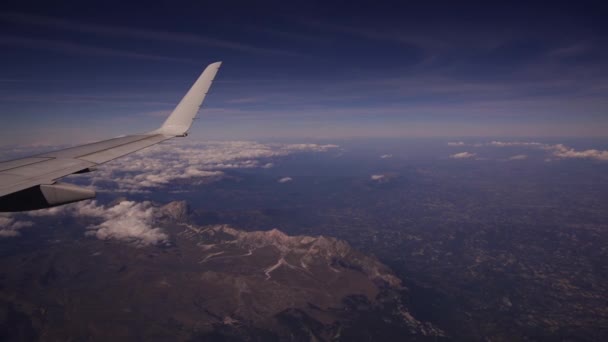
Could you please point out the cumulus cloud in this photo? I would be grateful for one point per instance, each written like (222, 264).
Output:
(133, 222)
(129, 221)
(462, 155)
(200, 162)
(456, 143)
(285, 180)
(377, 177)
(9, 226)
(386, 156)
(518, 157)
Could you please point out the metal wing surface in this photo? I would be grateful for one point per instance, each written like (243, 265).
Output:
(31, 183)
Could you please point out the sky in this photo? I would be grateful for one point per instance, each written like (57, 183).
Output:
(81, 71)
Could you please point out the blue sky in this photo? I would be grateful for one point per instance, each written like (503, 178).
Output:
(74, 72)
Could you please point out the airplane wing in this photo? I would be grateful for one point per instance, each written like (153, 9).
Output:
(31, 183)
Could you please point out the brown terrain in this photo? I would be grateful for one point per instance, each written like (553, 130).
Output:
(208, 282)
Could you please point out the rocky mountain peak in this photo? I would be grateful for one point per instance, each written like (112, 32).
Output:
(303, 252)
(176, 210)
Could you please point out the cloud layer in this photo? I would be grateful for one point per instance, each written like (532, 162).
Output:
(557, 150)
(138, 222)
(200, 162)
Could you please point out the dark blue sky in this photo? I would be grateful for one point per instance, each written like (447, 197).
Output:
(323, 69)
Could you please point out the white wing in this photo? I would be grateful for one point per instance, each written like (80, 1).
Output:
(30, 183)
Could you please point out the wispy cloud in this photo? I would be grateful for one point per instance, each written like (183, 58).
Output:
(516, 143)
(571, 50)
(557, 150)
(285, 180)
(135, 33)
(463, 155)
(518, 157)
(77, 48)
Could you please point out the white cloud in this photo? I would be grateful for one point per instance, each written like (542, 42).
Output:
(10, 227)
(133, 222)
(308, 147)
(285, 180)
(515, 143)
(201, 162)
(562, 151)
(386, 156)
(129, 221)
(377, 177)
(518, 157)
(456, 143)
(557, 150)
(462, 155)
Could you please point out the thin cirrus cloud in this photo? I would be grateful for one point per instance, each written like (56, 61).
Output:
(135, 33)
(78, 48)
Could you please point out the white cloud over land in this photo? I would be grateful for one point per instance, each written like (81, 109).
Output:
(10, 226)
(463, 155)
(190, 162)
(560, 151)
(133, 222)
(199, 162)
(129, 221)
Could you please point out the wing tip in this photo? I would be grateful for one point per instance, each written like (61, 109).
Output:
(180, 120)
(216, 64)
